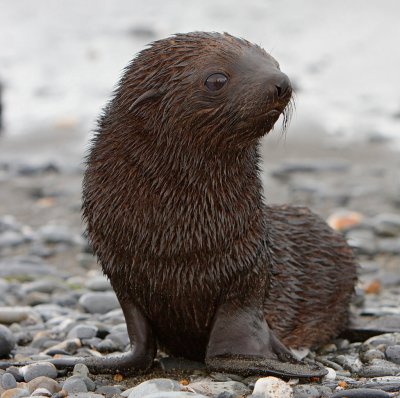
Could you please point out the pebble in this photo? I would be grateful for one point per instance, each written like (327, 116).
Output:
(10, 239)
(58, 234)
(212, 388)
(44, 382)
(15, 393)
(379, 367)
(305, 391)
(387, 224)
(8, 381)
(82, 332)
(99, 302)
(25, 267)
(363, 241)
(31, 371)
(152, 386)
(7, 341)
(99, 283)
(41, 392)
(361, 393)
(393, 354)
(271, 387)
(108, 391)
(74, 385)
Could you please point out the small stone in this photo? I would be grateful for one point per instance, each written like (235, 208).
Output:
(108, 391)
(41, 392)
(58, 234)
(378, 368)
(99, 302)
(327, 349)
(387, 224)
(331, 375)
(11, 239)
(82, 332)
(389, 245)
(80, 369)
(74, 385)
(211, 388)
(15, 393)
(393, 354)
(174, 394)
(152, 386)
(44, 382)
(7, 342)
(390, 383)
(369, 355)
(344, 219)
(304, 391)
(99, 283)
(37, 369)
(90, 384)
(8, 381)
(271, 387)
(363, 241)
(361, 393)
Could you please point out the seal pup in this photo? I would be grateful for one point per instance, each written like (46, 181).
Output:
(174, 208)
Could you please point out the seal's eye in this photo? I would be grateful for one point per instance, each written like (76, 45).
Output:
(216, 81)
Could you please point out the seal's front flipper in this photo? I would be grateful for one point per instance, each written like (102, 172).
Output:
(139, 359)
(241, 342)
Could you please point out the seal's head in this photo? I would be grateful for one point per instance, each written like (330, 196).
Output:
(205, 88)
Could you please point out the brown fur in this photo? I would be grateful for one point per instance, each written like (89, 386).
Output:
(174, 209)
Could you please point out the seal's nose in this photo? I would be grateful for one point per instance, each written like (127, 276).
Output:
(281, 83)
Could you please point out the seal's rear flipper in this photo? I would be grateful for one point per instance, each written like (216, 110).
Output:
(247, 366)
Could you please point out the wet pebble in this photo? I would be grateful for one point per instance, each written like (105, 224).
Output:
(361, 393)
(30, 372)
(271, 387)
(7, 341)
(8, 381)
(99, 302)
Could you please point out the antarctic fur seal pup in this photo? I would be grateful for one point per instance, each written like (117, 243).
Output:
(174, 208)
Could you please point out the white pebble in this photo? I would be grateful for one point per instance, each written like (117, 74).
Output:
(272, 387)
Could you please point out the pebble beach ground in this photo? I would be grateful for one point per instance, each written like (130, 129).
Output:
(54, 300)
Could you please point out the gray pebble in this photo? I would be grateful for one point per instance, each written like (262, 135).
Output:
(30, 372)
(90, 385)
(8, 381)
(7, 341)
(80, 369)
(82, 332)
(26, 266)
(99, 302)
(11, 239)
(174, 394)
(393, 354)
(369, 355)
(152, 386)
(98, 283)
(387, 224)
(391, 383)
(58, 234)
(389, 245)
(74, 385)
(44, 382)
(361, 393)
(363, 241)
(108, 391)
(305, 391)
(379, 367)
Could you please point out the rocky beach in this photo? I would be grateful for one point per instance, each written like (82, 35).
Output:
(340, 157)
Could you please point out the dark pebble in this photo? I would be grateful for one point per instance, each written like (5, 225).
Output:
(304, 391)
(361, 393)
(15, 372)
(7, 342)
(393, 354)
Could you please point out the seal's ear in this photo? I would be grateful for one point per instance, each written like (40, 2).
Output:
(149, 94)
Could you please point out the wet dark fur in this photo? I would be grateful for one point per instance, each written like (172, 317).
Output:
(174, 209)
